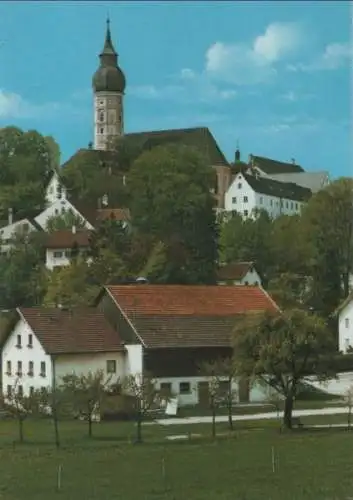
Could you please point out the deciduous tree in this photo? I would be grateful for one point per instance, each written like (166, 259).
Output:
(171, 201)
(64, 221)
(282, 349)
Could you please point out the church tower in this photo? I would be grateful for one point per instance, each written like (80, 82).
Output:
(108, 87)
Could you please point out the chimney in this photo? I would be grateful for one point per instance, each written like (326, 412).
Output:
(73, 229)
(10, 214)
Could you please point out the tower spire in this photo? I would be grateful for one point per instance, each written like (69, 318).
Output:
(108, 48)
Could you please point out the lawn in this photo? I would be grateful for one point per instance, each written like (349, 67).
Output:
(309, 465)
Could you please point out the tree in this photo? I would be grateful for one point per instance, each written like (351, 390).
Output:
(21, 405)
(27, 160)
(22, 272)
(282, 349)
(146, 397)
(64, 221)
(171, 201)
(70, 285)
(291, 290)
(248, 240)
(86, 393)
(328, 222)
(349, 401)
(219, 372)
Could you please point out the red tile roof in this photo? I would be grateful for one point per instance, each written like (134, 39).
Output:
(82, 330)
(180, 300)
(67, 239)
(234, 271)
(119, 214)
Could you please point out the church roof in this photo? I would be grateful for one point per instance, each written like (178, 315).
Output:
(198, 137)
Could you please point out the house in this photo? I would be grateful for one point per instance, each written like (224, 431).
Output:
(249, 193)
(55, 190)
(94, 216)
(14, 227)
(178, 327)
(58, 208)
(238, 273)
(345, 324)
(61, 245)
(42, 340)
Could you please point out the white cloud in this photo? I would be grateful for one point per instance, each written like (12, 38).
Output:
(292, 96)
(188, 87)
(253, 63)
(14, 106)
(334, 56)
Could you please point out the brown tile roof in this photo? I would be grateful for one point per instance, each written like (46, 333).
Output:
(67, 239)
(82, 330)
(273, 166)
(118, 214)
(94, 215)
(183, 300)
(175, 331)
(234, 271)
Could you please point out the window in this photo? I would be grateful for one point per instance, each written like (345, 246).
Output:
(67, 254)
(42, 369)
(56, 211)
(234, 199)
(59, 191)
(25, 227)
(166, 387)
(30, 341)
(271, 202)
(246, 213)
(31, 390)
(296, 206)
(256, 283)
(8, 368)
(101, 103)
(346, 322)
(239, 185)
(19, 342)
(19, 368)
(245, 199)
(291, 205)
(101, 130)
(9, 390)
(184, 387)
(30, 368)
(286, 204)
(20, 391)
(57, 255)
(111, 366)
(101, 116)
(346, 344)
(261, 200)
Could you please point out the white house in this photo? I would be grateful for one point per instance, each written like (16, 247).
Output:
(59, 246)
(55, 190)
(181, 327)
(250, 192)
(45, 341)
(8, 232)
(239, 273)
(59, 207)
(345, 325)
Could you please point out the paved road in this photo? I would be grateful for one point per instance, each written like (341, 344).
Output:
(257, 416)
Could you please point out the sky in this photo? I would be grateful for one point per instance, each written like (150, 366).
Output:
(274, 77)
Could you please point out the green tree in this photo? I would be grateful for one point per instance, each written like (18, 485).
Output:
(23, 277)
(248, 240)
(290, 290)
(70, 286)
(328, 222)
(27, 160)
(171, 201)
(65, 221)
(282, 349)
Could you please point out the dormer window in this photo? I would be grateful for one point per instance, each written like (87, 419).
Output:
(101, 116)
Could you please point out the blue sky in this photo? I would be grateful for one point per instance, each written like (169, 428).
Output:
(274, 75)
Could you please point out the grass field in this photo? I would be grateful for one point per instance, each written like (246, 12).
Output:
(308, 465)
